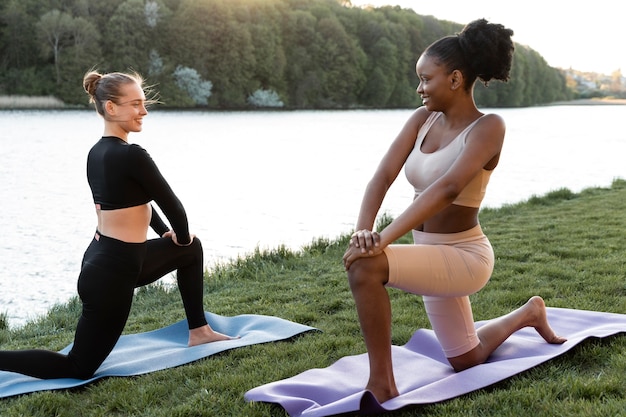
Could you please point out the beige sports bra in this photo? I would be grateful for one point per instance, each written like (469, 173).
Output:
(423, 169)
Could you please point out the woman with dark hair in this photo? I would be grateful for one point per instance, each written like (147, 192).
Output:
(124, 180)
(449, 149)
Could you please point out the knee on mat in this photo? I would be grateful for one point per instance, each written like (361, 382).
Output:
(84, 366)
(85, 375)
(84, 372)
(465, 361)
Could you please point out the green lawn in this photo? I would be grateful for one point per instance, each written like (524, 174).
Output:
(569, 248)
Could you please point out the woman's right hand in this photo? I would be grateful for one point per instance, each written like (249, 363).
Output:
(363, 243)
(172, 234)
(366, 240)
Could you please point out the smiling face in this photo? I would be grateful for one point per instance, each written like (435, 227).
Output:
(436, 83)
(126, 113)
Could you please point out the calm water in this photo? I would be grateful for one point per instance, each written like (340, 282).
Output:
(259, 179)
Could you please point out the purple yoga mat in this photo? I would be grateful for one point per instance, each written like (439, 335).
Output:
(422, 373)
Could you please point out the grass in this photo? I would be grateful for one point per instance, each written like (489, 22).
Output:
(567, 247)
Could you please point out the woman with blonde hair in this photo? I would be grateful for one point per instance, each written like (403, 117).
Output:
(124, 181)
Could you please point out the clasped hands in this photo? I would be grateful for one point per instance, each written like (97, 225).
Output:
(363, 244)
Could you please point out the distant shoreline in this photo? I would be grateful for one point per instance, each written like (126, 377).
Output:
(589, 102)
(30, 102)
(53, 103)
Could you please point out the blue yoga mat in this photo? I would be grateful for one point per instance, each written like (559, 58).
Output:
(423, 375)
(141, 353)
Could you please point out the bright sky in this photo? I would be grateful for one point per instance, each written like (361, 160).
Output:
(586, 36)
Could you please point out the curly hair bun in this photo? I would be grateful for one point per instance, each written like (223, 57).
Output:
(488, 49)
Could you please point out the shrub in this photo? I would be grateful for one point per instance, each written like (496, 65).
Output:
(265, 98)
(188, 80)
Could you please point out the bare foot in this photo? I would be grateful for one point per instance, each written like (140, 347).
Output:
(537, 318)
(206, 334)
(381, 393)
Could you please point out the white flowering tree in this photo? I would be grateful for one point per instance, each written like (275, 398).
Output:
(265, 98)
(188, 80)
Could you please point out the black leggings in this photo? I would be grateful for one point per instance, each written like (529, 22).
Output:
(110, 272)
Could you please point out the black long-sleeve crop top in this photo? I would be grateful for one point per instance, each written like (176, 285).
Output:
(121, 175)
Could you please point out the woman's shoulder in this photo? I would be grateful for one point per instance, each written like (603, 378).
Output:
(135, 148)
(491, 119)
(140, 158)
(488, 126)
(420, 116)
(422, 113)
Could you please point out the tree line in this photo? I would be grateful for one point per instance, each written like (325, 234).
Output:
(227, 54)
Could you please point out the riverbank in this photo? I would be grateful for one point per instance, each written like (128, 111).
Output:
(590, 102)
(49, 102)
(30, 102)
(567, 247)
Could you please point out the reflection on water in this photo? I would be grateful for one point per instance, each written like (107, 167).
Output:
(251, 179)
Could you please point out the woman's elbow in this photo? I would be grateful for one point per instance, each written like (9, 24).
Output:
(450, 192)
(378, 183)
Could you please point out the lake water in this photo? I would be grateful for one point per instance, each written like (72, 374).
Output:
(255, 179)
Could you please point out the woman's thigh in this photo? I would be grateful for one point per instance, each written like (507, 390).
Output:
(164, 256)
(439, 270)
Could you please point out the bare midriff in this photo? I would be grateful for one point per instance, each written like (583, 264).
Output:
(126, 224)
(452, 219)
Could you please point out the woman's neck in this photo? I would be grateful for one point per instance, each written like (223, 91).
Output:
(110, 130)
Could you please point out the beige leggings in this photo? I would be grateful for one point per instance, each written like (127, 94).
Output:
(445, 269)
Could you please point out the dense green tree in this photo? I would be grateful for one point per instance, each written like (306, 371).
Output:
(210, 40)
(72, 42)
(55, 29)
(513, 93)
(382, 60)
(264, 24)
(393, 39)
(304, 85)
(20, 48)
(79, 56)
(405, 79)
(98, 12)
(127, 40)
(340, 62)
(381, 80)
(309, 53)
